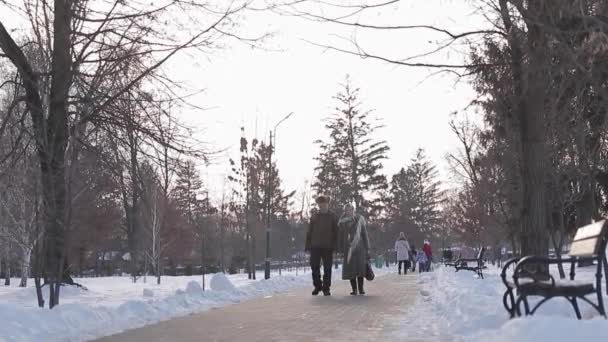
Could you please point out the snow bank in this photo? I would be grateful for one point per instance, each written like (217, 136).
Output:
(459, 307)
(220, 282)
(78, 318)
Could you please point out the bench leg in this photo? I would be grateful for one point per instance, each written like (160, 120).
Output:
(506, 298)
(600, 304)
(526, 306)
(577, 310)
(606, 273)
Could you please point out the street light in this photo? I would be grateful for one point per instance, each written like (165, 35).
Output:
(269, 196)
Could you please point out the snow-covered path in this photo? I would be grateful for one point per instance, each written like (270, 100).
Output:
(296, 316)
(115, 304)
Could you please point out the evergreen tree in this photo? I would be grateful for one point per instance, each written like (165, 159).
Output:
(279, 199)
(350, 161)
(187, 187)
(415, 198)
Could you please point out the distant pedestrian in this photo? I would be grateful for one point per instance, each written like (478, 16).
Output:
(353, 242)
(429, 254)
(321, 242)
(413, 257)
(402, 247)
(421, 260)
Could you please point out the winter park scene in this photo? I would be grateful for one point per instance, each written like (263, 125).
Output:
(303, 170)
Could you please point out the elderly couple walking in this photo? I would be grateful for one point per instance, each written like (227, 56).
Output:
(348, 235)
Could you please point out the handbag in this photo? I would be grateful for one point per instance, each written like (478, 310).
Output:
(369, 272)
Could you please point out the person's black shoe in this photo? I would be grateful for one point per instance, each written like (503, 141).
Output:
(316, 292)
(326, 293)
(362, 293)
(354, 293)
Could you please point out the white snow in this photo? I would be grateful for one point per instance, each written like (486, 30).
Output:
(114, 304)
(220, 282)
(450, 307)
(460, 307)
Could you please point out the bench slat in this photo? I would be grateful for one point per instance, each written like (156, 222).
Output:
(587, 239)
(584, 247)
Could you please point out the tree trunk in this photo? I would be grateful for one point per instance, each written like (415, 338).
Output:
(203, 268)
(7, 272)
(222, 251)
(253, 255)
(52, 164)
(158, 270)
(557, 245)
(25, 266)
(248, 241)
(37, 272)
(534, 238)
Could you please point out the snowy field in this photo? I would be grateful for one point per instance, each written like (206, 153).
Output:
(459, 307)
(114, 304)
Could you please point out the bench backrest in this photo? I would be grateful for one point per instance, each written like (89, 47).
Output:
(589, 239)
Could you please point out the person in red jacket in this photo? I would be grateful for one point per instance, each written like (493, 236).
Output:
(429, 254)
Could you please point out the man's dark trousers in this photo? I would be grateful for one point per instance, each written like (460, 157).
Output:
(316, 256)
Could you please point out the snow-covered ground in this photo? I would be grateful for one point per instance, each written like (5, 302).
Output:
(450, 307)
(459, 307)
(114, 304)
(114, 291)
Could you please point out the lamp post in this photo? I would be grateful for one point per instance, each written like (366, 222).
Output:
(269, 190)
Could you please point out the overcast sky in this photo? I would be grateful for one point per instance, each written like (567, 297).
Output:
(255, 88)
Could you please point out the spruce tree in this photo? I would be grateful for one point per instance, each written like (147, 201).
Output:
(279, 200)
(187, 187)
(415, 198)
(350, 162)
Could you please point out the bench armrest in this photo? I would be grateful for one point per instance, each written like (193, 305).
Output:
(535, 277)
(503, 275)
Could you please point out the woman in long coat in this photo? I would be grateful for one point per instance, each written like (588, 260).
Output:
(353, 242)
(402, 247)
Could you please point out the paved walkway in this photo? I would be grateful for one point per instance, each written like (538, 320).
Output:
(295, 316)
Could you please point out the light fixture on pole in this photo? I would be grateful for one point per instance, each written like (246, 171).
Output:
(269, 190)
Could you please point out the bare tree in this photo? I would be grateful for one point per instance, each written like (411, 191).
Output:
(84, 44)
(20, 203)
(521, 38)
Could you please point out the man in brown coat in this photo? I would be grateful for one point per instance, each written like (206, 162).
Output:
(321, 242)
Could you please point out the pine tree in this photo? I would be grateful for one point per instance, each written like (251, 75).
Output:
(415, 198)
(187, 187)
(279, 199)
(350, 161)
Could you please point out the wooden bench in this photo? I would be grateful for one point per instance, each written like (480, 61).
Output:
(532, 276)
(463, 264)
(452, 262)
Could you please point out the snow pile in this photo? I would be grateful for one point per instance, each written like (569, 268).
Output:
(193, 288)
(220, 282)
(85, 315)
(459, 307)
